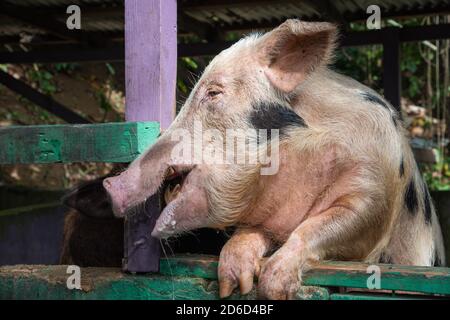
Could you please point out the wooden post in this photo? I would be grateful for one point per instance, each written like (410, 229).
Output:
(151, 60)
(150, 73)
(391, 66)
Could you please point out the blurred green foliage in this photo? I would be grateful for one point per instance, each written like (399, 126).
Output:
(41, 78)
(67, 68)
(437, 175)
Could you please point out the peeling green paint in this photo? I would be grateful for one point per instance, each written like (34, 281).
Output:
(404, 278)
(195, 277)
(106, 142)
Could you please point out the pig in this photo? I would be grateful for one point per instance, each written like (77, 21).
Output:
(346, 185)
(93, 237)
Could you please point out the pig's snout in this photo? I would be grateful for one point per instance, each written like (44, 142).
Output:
(117, 193)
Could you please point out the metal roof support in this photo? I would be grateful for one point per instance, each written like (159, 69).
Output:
(43, 101)
(52, 26)
(391, 66)
(68, 53)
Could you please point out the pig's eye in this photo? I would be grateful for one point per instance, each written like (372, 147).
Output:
(213, 93)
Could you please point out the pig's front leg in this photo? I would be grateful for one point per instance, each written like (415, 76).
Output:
(240, 260)
(280, 276)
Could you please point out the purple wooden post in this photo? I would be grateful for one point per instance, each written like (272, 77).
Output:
(150, 60)
(150, 74)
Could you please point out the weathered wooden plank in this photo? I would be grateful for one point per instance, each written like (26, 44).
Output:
(150, 74)
(109, 142)
(361, 296)
(50, 282)
(142, 252)
(393, 277)
(332, 273)
(203, 266)
(194, 277)
(151, 60)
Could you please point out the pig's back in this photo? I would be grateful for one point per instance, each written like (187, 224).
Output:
(369, 131)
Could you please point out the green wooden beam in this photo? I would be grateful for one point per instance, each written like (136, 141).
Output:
(393, 277)
(108, 142)
(195, 277)
(362, 296)
(50, 282)
(198, 266)
(332, 274)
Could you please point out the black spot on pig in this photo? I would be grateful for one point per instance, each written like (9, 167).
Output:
(427, 204)
(402, 168)
(377, 100)
(437, 260)
(385, 258)
(411, 200)
(266, 115)
(374, 99)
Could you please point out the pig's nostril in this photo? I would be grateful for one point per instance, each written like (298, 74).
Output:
(106, 183)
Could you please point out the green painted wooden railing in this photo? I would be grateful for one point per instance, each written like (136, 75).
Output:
(195, 277)
(108, 142)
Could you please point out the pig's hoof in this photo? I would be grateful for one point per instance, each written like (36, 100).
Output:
(279, 279)
(237, 269)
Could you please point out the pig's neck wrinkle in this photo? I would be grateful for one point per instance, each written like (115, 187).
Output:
(296, 191)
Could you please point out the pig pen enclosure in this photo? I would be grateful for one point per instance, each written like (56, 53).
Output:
(149, 48)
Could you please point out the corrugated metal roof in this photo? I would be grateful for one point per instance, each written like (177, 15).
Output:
(55, 3)
(258, 12)
(107, 15)
(93, 17)
(246, 12)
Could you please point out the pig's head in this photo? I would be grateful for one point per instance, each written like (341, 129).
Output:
(246, 86)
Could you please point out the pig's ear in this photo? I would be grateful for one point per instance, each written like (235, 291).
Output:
(90, 199)
(294, 50)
